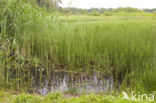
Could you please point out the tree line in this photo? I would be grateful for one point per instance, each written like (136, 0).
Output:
(54, 5)
(106, 11)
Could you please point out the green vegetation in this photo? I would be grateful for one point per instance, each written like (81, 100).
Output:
(59, 98)
(105, 18)
(128, 11)
(33, 39)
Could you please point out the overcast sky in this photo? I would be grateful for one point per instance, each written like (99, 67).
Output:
(109, 3)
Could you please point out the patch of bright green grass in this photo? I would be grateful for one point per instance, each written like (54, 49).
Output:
(59, 98)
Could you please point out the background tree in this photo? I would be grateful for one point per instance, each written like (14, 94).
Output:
(49, 4)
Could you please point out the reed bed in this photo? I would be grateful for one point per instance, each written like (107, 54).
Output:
(32, 38)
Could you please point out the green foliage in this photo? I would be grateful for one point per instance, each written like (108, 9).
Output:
(33, 38)
(128, 10)
(95, 13)
(106, 13)
(149, 80)
(20, 22)
(54, 97)
(30, 98)
(50, 5)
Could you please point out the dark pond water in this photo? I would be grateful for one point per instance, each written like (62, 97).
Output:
(61, 81)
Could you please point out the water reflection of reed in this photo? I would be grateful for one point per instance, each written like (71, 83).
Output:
(83, 82)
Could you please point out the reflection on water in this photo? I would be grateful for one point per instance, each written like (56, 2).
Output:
(65, 81)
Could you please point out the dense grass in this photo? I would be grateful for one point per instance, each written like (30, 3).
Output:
(125, 49)
(60, 98)
(32, 38)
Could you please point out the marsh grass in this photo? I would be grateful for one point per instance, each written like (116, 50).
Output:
(32, 38)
